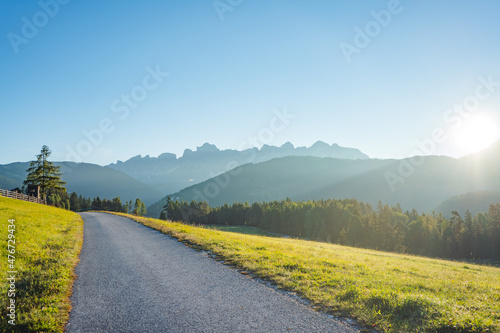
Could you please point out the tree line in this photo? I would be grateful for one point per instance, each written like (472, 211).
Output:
(61, 199)
(354, 223)
(79, 203)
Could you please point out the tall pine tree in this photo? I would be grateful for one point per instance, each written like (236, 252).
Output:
(44, 174)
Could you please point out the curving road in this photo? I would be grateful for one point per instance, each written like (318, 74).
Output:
(134, 279)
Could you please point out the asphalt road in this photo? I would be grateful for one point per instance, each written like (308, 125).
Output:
(134, 279)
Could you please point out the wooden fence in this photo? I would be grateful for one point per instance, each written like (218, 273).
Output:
(20, 196)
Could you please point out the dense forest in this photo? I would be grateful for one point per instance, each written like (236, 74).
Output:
(354, 223)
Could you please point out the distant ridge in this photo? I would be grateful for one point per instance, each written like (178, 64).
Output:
(168, 173)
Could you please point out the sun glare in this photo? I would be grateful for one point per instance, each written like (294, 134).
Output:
(476, 133)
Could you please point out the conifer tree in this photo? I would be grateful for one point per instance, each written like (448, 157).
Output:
(137, 207)
(74, 202)
(167, 210)
(143, 209)
(44, 174)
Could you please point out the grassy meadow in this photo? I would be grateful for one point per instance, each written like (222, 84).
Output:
(386, 291)
(241, 229)
(47, 243)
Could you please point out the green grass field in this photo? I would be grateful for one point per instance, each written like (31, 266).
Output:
(240, 230)
(386, 291)
(47, 243)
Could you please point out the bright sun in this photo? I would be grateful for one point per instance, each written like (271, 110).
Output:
(476, 133)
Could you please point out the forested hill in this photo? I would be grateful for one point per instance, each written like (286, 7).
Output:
(413, 185)
(473, 202)
(88, 180)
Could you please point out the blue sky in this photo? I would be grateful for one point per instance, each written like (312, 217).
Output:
(100, 68)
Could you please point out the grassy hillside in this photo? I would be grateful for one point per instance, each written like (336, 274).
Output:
(387, 291)
(242, 230)
(47, 243)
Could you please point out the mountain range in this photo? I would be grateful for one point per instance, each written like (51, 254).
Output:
(169, 174)
(150, 178)
(421, 183)
(321, 171)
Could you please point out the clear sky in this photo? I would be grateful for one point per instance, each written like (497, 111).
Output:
(100, 81)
